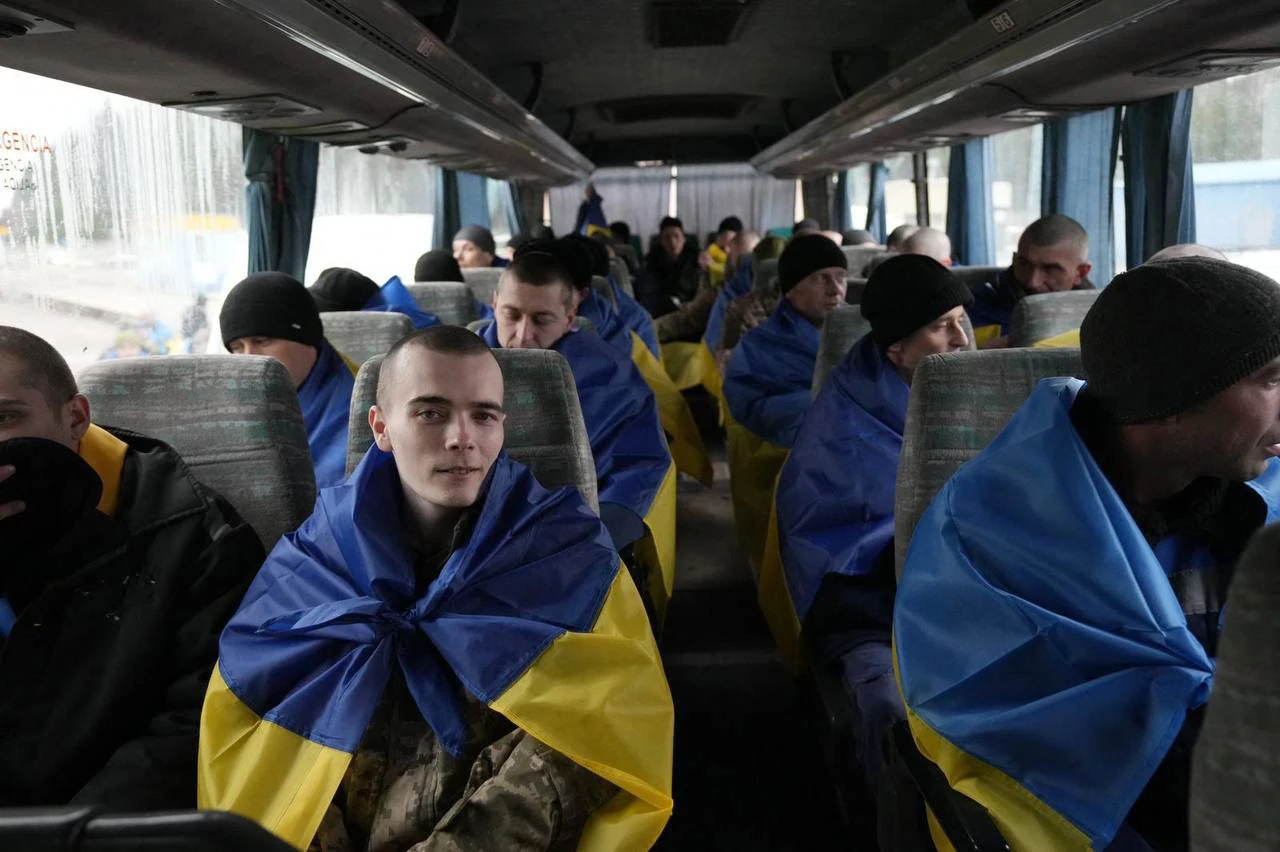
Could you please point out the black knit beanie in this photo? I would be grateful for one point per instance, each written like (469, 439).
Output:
(438, 265)
(730, 223)
(1166, 336)
(271, 304)
(342, 289)
(805, 255)
(906, 293)
(482, 238)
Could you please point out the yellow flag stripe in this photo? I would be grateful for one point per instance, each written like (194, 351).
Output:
(775, 598)
(677, 420)
(105, 453)
(1066, 340)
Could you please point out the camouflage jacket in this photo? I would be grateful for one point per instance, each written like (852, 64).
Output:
(747, 312)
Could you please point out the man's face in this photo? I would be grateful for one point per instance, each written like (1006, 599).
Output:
(1049, 269)
(1234, 434)
(471, 256)
(298, 358)
(25, 413)
(819, 294)
(725, 239)
(441, 417)
(945, 334)
(530, 317)
(672, 240)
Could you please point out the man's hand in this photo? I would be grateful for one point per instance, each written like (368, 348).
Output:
(704, 260)
(13, 507)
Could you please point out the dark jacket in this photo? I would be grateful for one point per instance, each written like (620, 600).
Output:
(103, 675)
(994, 300)
(666, 281)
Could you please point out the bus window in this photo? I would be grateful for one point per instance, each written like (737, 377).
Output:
(374, 213)
(502, 215)
(1015, 186)
(1235, 143)
(117, 217)
(939, 165)
(859, 194)
(899, 192)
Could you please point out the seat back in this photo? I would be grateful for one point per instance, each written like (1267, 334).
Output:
(959, 402)
(765, 272)
(859, 257)
(854, 288)
(843, 327)
(483, 282)
(1037, 318)
(1235, 779)
(544, 426)
(359, 335)
(451, 302)
(604, 289)
(975, 276)
(234, 419)
(618, 269)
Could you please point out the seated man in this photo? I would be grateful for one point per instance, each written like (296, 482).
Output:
(271, 314)
(739, 306)
(1060, 607)
(860, 238)
(474, 248)
(834, 500)
(631, 314)
(670, 274)
(717, 255)
(118, 573)
(340, 289)
(1052, 257)
(929, 242)
(441, 265)
(767, 385)
(898, 237)
(450, 655)
(689, 323)
(534, 308)
(770, 373)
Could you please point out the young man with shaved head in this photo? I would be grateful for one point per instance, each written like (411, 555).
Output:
(929, 242)
(118, 570)
(451, 655)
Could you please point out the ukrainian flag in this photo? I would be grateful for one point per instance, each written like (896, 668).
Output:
(687, 449)
(533, 616)
(394, 297)
(1045, 661)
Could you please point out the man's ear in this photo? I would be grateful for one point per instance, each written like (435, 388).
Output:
(379, 427)
(894, 354)
(1083, 270)
(77, 409)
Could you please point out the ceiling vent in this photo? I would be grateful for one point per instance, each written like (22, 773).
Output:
(1215, 64)
(254, 110)
(682, 23)
(674, 108)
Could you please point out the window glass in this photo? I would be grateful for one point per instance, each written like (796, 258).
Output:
(1235, 143)
(939, 161)
(501, 213)
(374, 213)
(117, 218)
(899, 192)
(1015, 186)
(859, 194)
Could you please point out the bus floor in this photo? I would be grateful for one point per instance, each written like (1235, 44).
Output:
(749, 773)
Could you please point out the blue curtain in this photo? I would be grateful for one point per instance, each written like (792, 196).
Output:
(1077, 175)
(473, 199)
(840, 220)
(875, 203)
(461, 199)
(281, 197)
(1159, 190)
(970, 218)
(515, 211)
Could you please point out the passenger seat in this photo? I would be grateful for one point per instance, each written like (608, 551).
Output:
(843, 327)
(360, 335)
(1047, 315)
(483, 283)
(234, 419)
(450, 301)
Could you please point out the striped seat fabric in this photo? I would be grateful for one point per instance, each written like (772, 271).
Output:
(622, 275)
(1040, 317)
(360, 335)
(234, 419)
(959, 402)
(450, 301)
(483, 282)
(544, 427)
(859, 257)
(843, 328)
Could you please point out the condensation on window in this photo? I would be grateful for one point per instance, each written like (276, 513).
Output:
(374, 213)
(118, 219)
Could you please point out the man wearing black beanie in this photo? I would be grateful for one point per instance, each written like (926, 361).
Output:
(834, 500)
(1094, 541)
(272, 314)
(474, 248)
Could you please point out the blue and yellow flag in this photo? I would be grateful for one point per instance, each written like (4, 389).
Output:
(835, 495)
(533, 616)
(394, 297)
(1045, 660)
(738, 285)
(636, 478)
(635, 317)
(325, 398)
(768, 382)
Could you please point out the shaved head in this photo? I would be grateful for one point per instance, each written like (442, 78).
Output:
(899, 235)
(41, 367)
(441, 339)
(929, 242)
(1186, 250)
(1056, 230)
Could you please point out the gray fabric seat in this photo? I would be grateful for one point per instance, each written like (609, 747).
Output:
(765, 273)
(604, 290)
(959, 402)
(451, 302)
(483, 282)
(975, 276)
(1235, 780)
(854, 288)
(359, 335)
(234, 419)
(843, 328)
(544, 426)
(1037, 318)
(619, 271)
(859, 257)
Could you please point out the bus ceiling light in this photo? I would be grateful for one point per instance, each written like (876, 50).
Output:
(251, 111)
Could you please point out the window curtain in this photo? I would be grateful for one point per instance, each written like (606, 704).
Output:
(875, 202)
(840, 211)
(1077, 173)
(281, 200)
(637, 196)
(528, 204)
(706, 194)
(970, 218)
(1159, 192)
(461, 199)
